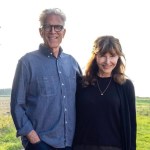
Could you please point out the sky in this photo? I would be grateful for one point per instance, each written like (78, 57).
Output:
(127, 20)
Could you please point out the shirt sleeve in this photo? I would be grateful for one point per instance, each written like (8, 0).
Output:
(18, 100)
(132, 108)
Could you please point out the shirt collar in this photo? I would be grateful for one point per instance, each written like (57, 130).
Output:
(48, 51)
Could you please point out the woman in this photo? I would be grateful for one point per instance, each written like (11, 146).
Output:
(106, 115)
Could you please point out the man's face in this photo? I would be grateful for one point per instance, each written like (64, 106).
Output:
(52, 32)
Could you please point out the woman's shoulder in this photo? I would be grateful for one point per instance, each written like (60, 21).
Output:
(128, 86)
(128, 83)
(83, 84)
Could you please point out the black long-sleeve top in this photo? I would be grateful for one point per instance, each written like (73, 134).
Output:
(109, 119)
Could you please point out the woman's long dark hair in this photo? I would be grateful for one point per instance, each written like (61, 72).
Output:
(102, 45)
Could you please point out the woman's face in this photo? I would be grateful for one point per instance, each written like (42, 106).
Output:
(106, 63)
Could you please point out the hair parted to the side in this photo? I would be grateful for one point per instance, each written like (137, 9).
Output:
(52, 11)
(103, 45)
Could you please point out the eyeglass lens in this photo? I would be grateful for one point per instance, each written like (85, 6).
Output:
(57, 28)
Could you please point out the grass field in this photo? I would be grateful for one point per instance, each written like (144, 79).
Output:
(143, 123)
(8, 140)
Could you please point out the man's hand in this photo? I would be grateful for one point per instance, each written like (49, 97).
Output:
(33, 137)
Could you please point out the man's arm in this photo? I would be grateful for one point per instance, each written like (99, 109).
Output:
(18, 100)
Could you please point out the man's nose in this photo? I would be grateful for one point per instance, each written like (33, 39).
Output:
(52, 29)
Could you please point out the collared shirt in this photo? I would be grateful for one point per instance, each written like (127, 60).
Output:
(43, 96)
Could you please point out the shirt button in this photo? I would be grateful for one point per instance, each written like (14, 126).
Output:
(66, 122)
(64, 96)
(60, 72)
(65, 109)
(62, 84)
(48, 56)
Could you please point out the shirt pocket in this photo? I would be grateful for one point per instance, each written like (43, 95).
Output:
(46, 86)
(71, 79)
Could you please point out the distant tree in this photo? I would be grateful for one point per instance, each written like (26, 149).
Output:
(5, 92)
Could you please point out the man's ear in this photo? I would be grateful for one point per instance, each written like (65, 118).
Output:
(41, 32)
(64, 32)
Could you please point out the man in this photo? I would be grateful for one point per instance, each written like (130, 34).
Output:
(43, 91)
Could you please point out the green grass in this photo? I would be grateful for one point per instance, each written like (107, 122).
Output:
(8, 140)
(143, 132)
(143, 123)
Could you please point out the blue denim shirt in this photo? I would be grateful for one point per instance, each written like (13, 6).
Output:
(43, 96)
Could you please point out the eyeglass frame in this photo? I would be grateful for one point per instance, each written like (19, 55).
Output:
(48, 27)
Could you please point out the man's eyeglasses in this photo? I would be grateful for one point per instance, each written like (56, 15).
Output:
(48, 28)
